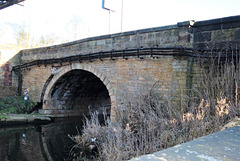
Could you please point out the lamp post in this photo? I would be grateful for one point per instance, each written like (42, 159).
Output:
(109, 10)
(122, 17)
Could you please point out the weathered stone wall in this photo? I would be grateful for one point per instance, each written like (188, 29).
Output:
(34, 80)
(166, 74)
(219, 33)
(168, 36)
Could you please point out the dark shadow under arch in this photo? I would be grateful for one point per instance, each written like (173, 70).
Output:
(80, 89)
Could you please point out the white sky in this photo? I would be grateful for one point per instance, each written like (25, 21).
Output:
(56, 17)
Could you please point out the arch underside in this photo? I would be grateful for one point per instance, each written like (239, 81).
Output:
(76, 92)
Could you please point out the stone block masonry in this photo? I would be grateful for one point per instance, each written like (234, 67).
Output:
(118, 76)
(96, 72)
(217, 34)
(168, 36)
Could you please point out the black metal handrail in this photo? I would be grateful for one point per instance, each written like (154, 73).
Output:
(125, 53)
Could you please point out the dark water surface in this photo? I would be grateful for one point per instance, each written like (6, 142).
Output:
(39, 142)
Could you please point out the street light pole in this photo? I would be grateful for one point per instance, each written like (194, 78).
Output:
(103, 6)
(122, 16)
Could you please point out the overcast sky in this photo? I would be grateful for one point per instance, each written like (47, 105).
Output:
(58, 17)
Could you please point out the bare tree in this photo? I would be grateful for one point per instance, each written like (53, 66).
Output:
(24, 36)
(74, 27)
(47, 40)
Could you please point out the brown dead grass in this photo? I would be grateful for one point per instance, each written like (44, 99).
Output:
(145, 125)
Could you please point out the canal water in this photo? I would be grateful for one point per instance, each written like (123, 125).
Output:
(39, 142)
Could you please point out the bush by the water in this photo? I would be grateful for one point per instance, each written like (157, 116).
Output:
(15, 105)
(145, 125)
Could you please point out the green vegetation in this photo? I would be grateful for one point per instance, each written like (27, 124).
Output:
(15, 105)
(3, 117)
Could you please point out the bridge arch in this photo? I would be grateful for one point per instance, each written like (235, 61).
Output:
(75, 87)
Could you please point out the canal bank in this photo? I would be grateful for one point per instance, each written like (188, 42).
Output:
(18, 119)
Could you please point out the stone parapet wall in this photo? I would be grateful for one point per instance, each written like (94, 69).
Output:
(216, 33)
(167, 73)
(219, 33)
(168, 36)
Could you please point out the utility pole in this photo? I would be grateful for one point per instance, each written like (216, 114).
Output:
(122, 16)
(108, 9)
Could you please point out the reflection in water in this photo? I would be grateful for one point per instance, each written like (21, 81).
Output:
(41, 142)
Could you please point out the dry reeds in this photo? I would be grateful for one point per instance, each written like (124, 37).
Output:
(145, 126)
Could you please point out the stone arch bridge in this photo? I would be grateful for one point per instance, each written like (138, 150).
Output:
(99, 72)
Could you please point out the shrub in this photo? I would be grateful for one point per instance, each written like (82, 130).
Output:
(15, 104)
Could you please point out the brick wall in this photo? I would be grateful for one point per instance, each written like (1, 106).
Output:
(8, 79)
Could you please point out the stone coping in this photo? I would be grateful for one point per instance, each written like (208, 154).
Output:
(220, 146)
(224, 20)
(134, 32)
(218, 21)
(16, 119)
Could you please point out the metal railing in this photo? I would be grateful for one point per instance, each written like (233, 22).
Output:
(153, 52)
